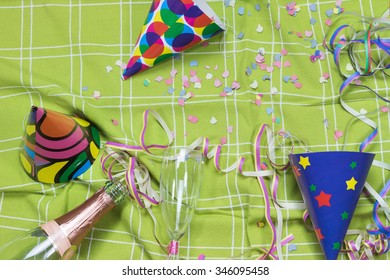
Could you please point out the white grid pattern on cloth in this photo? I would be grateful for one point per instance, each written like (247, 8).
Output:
(126, 100)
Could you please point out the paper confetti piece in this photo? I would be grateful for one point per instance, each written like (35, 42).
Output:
(294, 78)
(159, 79)
(286, 79)
(213, 120)
(299, 34)
(292, 247)
(254, 66)
(277, 25)
(278, 64)
(384, 109)
(115, 122)
(257, 7)
(287, 63)
(192, 73)
(338, 134)
(313, 7)
(269, 111)
(121, 64)
(169, 81)
(328, 22)
(223, 94)
(230, 129)
(261, 51)
(182, 92)
(274, 91)
(326, 123)
(186, 84)
(259, 28)
(217, 83)
(197, 85)
(313, 21)
(298, 85)
(192, 119)
(254, 84)
(171, 90)
(146, 82)
(209, 76)
(240, 35)
(194, 63)
(241, 11)
(248, 71)
(326, 75)
(277, 57)
(308, 33)
(223, 140)
(96, 94)
(270, 69)
(259, 58)
(225, 74)
(108, 69)
(329, 13)
(173, 73)
(266, 77)
(284, 52)
(313, 43)
(85, 88)
(181, 101)
(235, 85)
(323, 80)
(228, 89)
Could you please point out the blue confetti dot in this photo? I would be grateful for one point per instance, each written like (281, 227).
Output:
(194, 63)
(171, 90)
(329, 13)
(227, 3)
(254, 66)
(257, 7)
(313, 43)
(227, 89)
(286, 79)
(84, 88)
(269, 111)
(240, 35)
(183, 92)
(248, 71)
(277, 57)
(292, 247)
(313, 7)
(313, 21)
(266, 77)
(241, 11)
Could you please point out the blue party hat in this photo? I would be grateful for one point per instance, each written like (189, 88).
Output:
(331, 184)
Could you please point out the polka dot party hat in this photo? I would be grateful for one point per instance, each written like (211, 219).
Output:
(171, 27)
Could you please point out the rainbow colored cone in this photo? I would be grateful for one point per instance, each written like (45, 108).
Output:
(58, 148)
(171, 27)
(331, 184)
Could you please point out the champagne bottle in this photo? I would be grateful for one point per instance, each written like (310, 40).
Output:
(60, 238)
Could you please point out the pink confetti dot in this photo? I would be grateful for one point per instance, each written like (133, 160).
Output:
(192, 73)
(258, 102)
(326, 75)
(277, 25)
(223, 140)
(284, 52)
(235, 85)
(115, 122)
(259, 58)
(263, 166)
(205, 44)
(230, 129)
(298, 85)
(223, 94)
(173, 73)
(263, 66)
(225, 74)
(159, 79)
(299, 34)
(181, 101)
(358, 82)
(308, 33)
(192, 119)
(217, 83)
(270, 69)
(338, 134)
(169, 81)
(287, 63)
(186, 84)
(278, 64)
(328, 22)
(294, 77)
(384, 109)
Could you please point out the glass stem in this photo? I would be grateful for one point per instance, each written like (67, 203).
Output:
(173, 250)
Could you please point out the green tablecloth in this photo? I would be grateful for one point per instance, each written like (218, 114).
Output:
(54, 55)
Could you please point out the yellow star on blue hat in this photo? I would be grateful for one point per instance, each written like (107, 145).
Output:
(304, 161)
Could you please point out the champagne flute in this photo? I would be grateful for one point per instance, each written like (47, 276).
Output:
(180, 181)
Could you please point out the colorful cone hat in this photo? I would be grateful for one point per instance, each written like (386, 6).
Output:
(331, 184)
(171, 26)
(58, 148)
